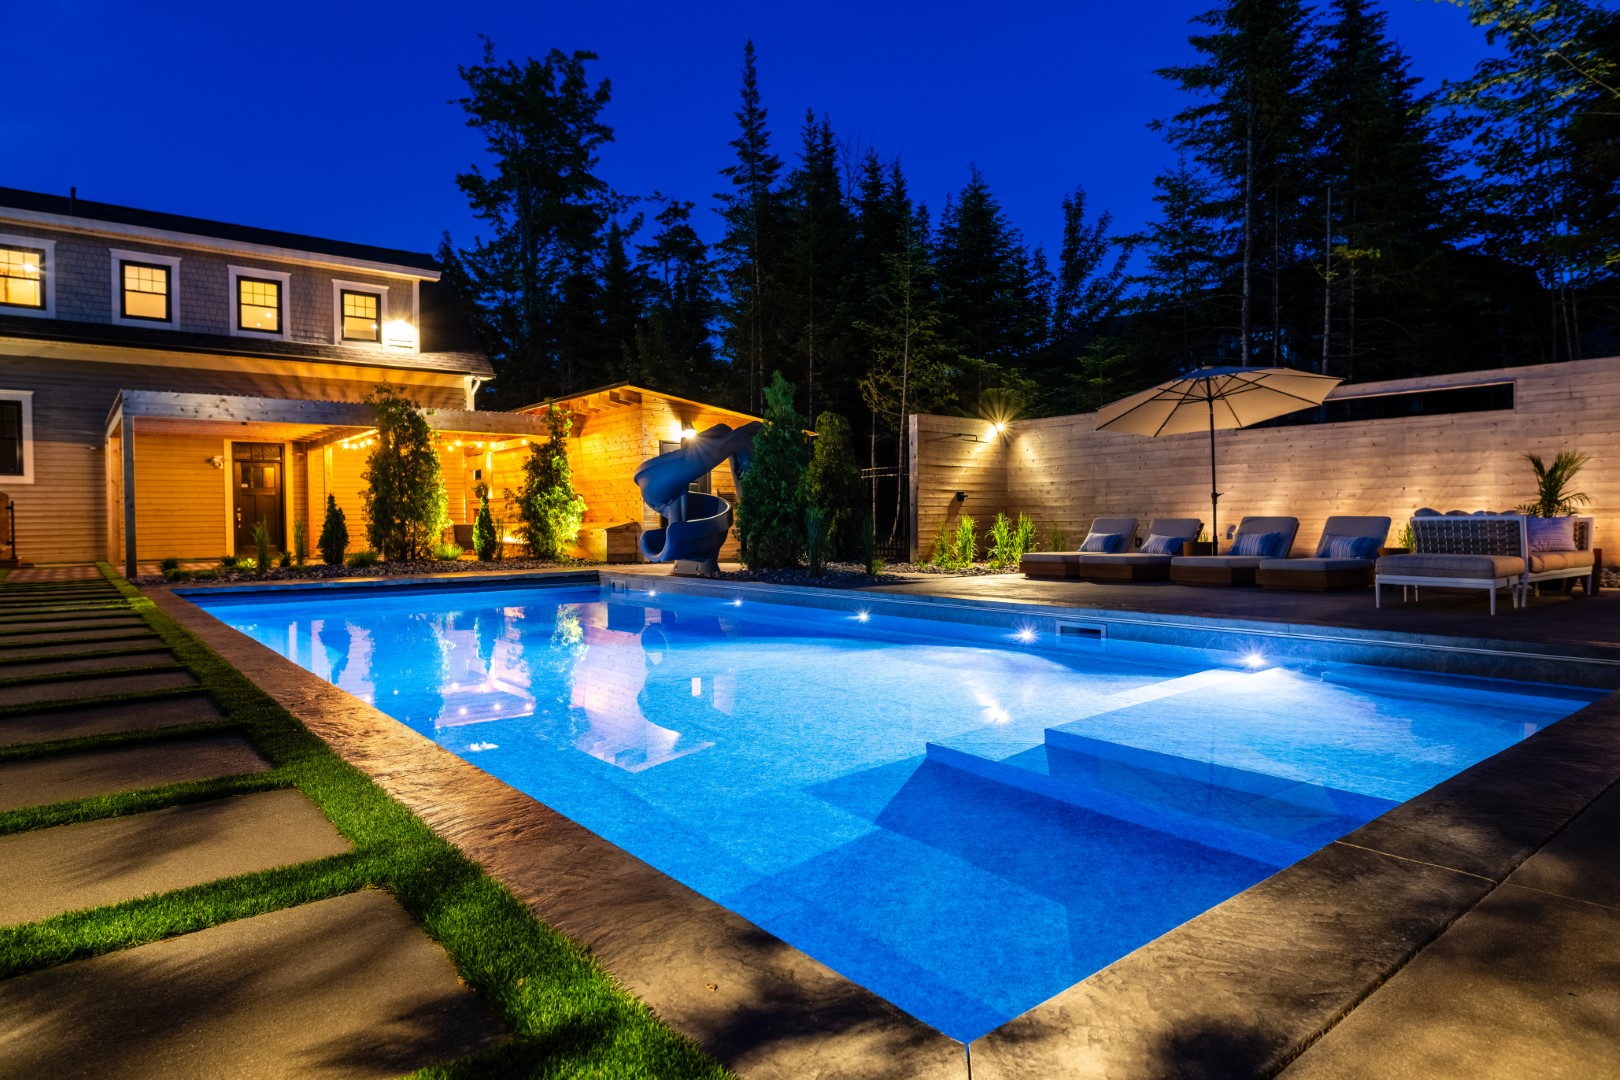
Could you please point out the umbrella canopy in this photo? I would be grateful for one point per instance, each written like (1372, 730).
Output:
(1212, 399)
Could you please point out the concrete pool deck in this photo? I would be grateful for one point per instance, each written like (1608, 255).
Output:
(1467, 932)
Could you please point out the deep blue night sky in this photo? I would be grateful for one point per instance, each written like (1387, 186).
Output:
(334, 119)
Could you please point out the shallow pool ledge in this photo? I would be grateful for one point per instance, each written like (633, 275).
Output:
(1244, 988)
(755, 1003)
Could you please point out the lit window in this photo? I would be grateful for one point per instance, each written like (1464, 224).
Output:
(145, 292)
(360, 316)
(22, 277)
(258, 305)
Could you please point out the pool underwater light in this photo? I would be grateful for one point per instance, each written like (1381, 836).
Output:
(862, 615)
(1254, 659)
(1025, 635)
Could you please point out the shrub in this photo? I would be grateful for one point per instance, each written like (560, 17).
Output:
(944, 553)
(363, 558)
(227, 561)
(549, 509)
(334, 539)
(1023, 538)
(1010, 540)
(447, 553)
(1059, 540)
(204, 575)
(1000, 539)
(171, 563)
(816, 528)
(300, 542)
(285, 561)
(245, 564)
(967, 544)
(176, 574)
(406, 504)
(261, 546)
(770, 495)
(833, 484)
(485, 540)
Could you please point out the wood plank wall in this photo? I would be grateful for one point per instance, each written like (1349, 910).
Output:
(1063, 472)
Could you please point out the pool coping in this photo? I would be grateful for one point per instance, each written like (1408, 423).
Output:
(1239, 990)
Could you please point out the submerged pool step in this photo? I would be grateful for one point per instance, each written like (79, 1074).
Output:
(1266, 818)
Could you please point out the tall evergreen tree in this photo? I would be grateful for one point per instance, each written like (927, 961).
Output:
(674, 341)
(819, 247)
(530, 286)
(751, 252)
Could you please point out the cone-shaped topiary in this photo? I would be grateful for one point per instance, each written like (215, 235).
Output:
(484, 537)
(334, 539)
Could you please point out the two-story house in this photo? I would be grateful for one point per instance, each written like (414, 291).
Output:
(167, 383)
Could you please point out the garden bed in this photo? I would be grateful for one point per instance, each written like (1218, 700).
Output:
(317, 571)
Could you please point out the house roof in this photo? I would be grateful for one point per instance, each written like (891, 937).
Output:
(186, 341)
(627, 393)
(37, 202)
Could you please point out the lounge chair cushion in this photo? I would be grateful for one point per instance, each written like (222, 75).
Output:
(1348, 547)
(1047, 556)
(1161, 545)
(1230, 562)
(1551, 533)
(1103, 543)
(1315, 566)
(1543, 561)
(1258, 545)
(1129, 558)
(1457, 566)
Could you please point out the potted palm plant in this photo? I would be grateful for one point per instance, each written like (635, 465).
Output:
(1554, 497)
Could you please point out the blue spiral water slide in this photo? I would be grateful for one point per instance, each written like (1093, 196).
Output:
(698, 522)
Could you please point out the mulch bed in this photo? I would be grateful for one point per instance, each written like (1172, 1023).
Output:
(416, 568)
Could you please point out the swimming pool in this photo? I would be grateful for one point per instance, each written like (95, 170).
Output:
(964, 819)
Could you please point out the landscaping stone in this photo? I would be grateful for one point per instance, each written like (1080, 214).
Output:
(152, 657)
(103, 719)
(40, 781)
(347, 987)
(49, 871)
(67, 690)
(1521, 986)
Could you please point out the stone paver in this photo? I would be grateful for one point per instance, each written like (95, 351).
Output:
(40, 781)
(71, 646)
(65, 572)
(1522, 986)
(152, 657)
(1582, 862)
(347, 987)
(41, 625)
(49, 871)
(68, 616)
(67, 690)
(102, 719)
(11, 643)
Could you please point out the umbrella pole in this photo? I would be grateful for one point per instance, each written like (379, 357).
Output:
(1214, 496)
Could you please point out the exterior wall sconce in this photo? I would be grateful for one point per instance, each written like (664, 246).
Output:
(961, 496)
(217, 461)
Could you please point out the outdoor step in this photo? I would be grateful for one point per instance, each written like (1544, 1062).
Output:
(107, 622)
(347, 987)
(49, 871)
(114, 634)
(11, 658)
(105, 719)
(41, 781)
(153, 657)
(85, 687)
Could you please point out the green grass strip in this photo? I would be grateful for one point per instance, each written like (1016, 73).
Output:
(566, 1016)
(120, 804)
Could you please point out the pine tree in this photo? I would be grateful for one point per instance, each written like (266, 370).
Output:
(833, 485)
(531, 284)
(334, 538)
(549, 509)
(820, 236)
(404, 495)
(1178, 302)
(674, 347)
(751, 255)
(1088, 292)
(770, 495)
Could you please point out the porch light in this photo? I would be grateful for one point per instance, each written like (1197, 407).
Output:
(688, 434)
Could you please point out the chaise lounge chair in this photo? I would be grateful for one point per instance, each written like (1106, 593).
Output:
(1345, 557)
(1116, 535)
(1167, 537)
(1257, 539)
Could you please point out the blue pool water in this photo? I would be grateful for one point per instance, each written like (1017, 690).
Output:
(964, 820)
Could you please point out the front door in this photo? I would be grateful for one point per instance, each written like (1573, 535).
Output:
(257, 469)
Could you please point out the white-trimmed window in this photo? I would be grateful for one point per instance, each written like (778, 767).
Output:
(259, 302)
(16, 437)
(27, 276)
(359, 311)
(146, 289)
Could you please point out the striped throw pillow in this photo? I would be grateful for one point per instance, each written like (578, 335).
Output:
(1162, 545)
(1334, 546)
(1103, 543)
(1264, 545)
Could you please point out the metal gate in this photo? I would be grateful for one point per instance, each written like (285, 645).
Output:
(889, 502)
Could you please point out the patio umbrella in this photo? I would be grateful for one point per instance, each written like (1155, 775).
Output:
(1221, 398)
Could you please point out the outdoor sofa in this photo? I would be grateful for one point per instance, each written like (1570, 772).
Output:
(1491, 552)
(1256, 539)
(1167, 538)
(1345, 557)
(1118, 534)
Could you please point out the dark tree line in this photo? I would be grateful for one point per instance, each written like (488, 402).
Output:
(1323, 213)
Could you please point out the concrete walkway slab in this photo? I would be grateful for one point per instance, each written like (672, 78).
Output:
(1580, 862)
(69, 616)
(69, 689)
(35, 626)
(153, 657)
(49, 871)
(1524, 985)
(21, 642)
(73, 647)
(42, 781)
(347, 987)
(103, 719)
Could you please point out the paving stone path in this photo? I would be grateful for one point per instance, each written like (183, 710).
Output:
(348, 986)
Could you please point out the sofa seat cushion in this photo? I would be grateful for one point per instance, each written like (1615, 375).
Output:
(1316, 566)
(1231, 562)
(1457, 566)
(1543, 561)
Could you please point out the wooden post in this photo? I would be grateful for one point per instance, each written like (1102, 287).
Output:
(127, 445)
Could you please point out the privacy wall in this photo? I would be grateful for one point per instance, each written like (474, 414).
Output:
(1063, 472)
